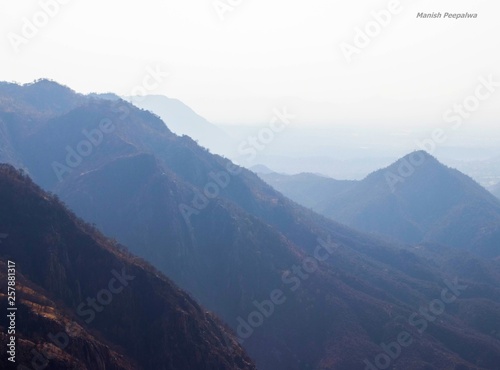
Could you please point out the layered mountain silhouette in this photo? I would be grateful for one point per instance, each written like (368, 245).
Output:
(182, 120)
(301, 291)
(308, 189)
(84, 303)
(415, 200)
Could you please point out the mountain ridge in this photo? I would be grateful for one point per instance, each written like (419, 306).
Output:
(249, 240)
(415, 199)
(56, 256)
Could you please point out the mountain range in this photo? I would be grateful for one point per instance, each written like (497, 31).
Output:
(182, 120)
(301, 291)
(308, 189)
(414, 200)
(83, 302)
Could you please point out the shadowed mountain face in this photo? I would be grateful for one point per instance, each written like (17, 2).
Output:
(415, 200)
(301, 291)
(138, 319)
(35, 103)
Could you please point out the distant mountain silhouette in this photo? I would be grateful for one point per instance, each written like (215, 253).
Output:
(138, 319)
(425, 202)
(307, 189)
(261, 169)
(430, 202)
(301, 291)
(183, 120)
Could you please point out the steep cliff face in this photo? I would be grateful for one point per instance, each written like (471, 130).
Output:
(50, 338)
(89, 305)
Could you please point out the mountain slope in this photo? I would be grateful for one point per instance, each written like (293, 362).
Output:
(427, 202)
(48, 335)
(307, 189)
(182, 120)
(61, 261)
(242, 245)
(495, 190)
(424, 202)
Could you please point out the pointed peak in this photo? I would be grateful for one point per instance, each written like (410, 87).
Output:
(48, 85)
(418, 158)
(419, 155)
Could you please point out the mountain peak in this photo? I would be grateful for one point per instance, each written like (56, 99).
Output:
(406, 166)
(416, 199)
(45, 82)
(44, 95)
(419, 158)
(422, 153)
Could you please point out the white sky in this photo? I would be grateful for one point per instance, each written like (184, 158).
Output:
(266, 54)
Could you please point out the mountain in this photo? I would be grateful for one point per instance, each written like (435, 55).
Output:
(40, 100)
(413, 203)
(140, 319)
(418, 199)
(301, 291)
(261, 169)
(307, 189)
(183, 120)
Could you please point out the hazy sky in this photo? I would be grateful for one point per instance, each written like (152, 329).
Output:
(264, 54)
